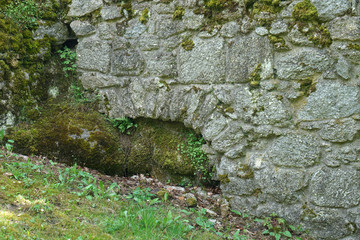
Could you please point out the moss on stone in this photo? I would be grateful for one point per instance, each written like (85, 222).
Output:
(72, 133)
(188, 44)
(263, 11)
(223, 178)
(305, 11)
(306, 17)
(255, 78)
(144, 17)
(191, 202)
(154, 150)
(307, 86)
(245, 172)
(354, 46)
(179, 13)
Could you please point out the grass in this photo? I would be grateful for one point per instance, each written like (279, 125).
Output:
(41, 199)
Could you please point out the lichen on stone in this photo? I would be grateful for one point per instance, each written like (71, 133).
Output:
(179, 13)
(223, 178)
(188, 44)
(144, 17)
(354, 46)
(255, 78)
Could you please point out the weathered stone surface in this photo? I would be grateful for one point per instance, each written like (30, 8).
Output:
(82, 28)
(161, 63)
(326, 223)
(294, 151)
(262, 31)
(331, 100)
(205, 63)
(166, 27)
(110, 12)
(126, 62)
(93, 54)
(343, 68)
(281, 184)
(345, 28)
(192, 21)
(228, 138)
(244, 54)
(80, 8)
(278, 27)
(248, 186)
(95, 80)
(214, 126)
(134, 29)
(335, 187)
(330, 9)
(302, 63)
(58, 31)
(297, 38)
(230, 29)
(340, 130)
(106, 31)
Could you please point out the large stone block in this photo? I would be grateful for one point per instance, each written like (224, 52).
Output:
(340, 130)
(330, 9)
(80, 8)
(161, 63)
(126, 62)
(205, 63)
(294, 151)
(283, 185)
(331, 100)
(243, 56)
(301, 63)
(93, 54)
(345, 28)
(335, 187)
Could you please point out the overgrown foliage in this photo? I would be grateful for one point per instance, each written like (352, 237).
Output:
(199, 159)
(124, 124)
(25, 14)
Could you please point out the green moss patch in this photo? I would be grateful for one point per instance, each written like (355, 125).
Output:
(187, 44)
(179, 13)
(305, 11)
(144, 17)
(306, 17)
(73, 134)
(154, 149)
(257, 8)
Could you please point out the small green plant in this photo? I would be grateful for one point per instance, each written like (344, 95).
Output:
(124, 124)
(69, 61)
(199, 159)
(277, 227)
(24, 13)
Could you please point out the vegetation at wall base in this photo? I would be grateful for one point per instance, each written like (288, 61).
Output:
(42, 199)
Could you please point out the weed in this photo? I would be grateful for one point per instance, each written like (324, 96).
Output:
(277, 228)
(69, 61)
(124, 124)
(24, 13)
(199, 159)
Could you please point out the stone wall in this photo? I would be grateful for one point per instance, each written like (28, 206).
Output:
(274, 93)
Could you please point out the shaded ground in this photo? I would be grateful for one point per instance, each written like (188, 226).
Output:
(39, 197)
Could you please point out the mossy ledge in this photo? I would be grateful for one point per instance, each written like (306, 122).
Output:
(75, 133)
